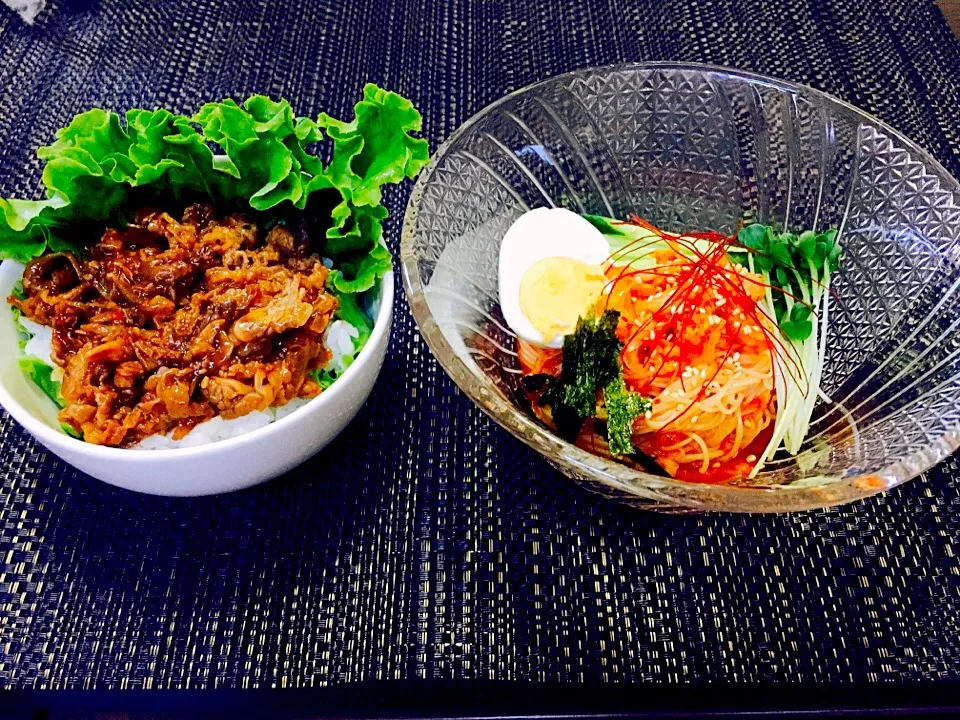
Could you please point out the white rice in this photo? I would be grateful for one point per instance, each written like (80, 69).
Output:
(217, 429)
(339, 338)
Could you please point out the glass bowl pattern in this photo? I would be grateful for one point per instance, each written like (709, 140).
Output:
(696, 147)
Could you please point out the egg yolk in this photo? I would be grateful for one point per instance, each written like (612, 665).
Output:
(556, 291)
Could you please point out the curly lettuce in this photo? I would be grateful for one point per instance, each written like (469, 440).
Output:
(259, 156)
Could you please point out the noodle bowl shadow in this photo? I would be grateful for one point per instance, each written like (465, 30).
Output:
(217, 467)
(693, 147)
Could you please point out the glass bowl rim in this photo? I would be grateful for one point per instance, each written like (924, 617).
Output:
(616, 477)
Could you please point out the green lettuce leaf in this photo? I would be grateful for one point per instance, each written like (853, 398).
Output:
(24, 226)
(266, 148)
(354, 230)
(148, 151)
(42, 376)
(23, 335)
(349, 310)
(265, 170)
(40, 372)
(196, 172)
(376, 148)
(323, 378)
(88, 166)
(361, 274)
(170, 155)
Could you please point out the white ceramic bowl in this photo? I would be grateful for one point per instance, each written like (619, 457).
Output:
(208, 469)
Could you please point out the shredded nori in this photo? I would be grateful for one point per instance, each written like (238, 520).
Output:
(591, 363)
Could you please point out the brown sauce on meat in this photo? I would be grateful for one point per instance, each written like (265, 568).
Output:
(166, 324)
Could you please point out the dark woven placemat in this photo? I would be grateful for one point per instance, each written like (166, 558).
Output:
(425, 542)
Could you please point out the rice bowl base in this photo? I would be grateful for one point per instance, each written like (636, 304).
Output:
(257, 455)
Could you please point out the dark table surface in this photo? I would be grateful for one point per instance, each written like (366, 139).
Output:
(425, 544)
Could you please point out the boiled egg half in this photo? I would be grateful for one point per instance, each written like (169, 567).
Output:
(551, 273)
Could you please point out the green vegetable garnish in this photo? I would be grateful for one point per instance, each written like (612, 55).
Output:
(364, 271)
(797, 269)
(797, 265)
(604, 224)
(41, 375)
(323, 378)
(23, 335)
(350, 311)
(40, 372)
(591, 363)
(629, 243)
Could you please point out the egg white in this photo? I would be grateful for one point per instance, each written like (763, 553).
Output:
(536, 235)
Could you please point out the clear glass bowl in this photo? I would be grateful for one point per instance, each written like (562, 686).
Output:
(697, 147)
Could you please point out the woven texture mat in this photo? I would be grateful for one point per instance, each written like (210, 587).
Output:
(425, 542)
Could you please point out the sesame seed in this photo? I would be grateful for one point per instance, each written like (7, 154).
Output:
(721, 301)
(736, 356)
(648, 414)
(747, 330)
(751, 458)
(694, 418)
